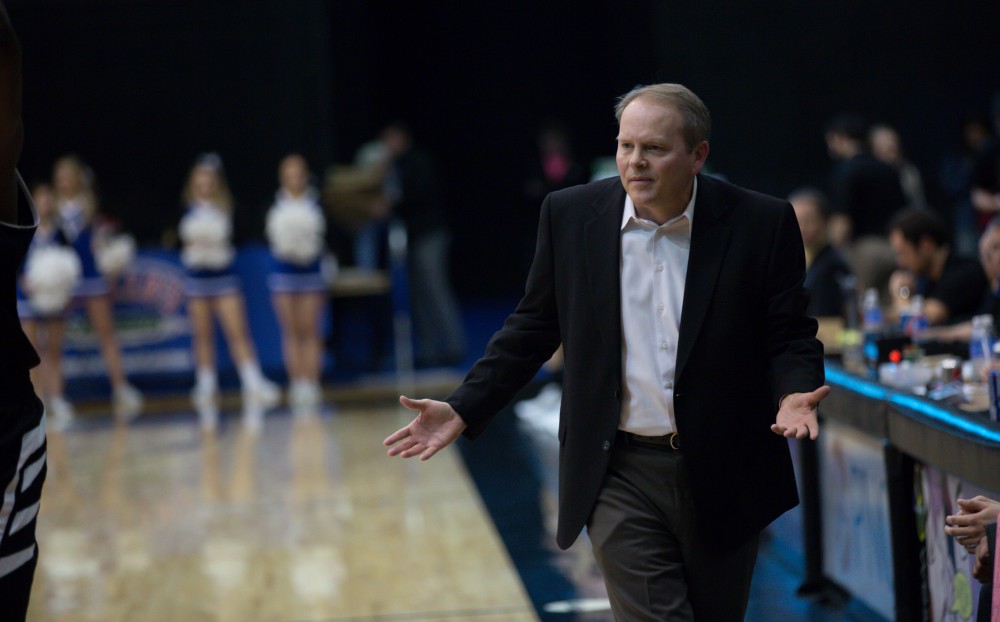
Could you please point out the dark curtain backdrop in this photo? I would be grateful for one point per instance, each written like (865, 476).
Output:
(139, 87)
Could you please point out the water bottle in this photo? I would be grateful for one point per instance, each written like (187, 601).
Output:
(871, 312)
(871, 325)
(981, 343)
(916, 320)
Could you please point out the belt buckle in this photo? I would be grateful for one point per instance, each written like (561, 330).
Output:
(674, 441)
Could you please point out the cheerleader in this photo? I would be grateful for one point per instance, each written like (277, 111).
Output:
(77, 208)
(213, 290)
(48, 277)
(295, 231)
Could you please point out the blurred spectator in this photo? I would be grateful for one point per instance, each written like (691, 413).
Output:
(373, 158)
(956, 180)
(986, 174)
(952, 286)
(825, 266)
(553, 168)
(357, 208)
(887, 147)
(989, 259)
(865, 192)
(415, 194)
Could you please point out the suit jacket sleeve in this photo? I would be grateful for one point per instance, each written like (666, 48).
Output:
(515, 353)
(795, 354)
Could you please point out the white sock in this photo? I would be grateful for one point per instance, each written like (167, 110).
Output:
(205, 379)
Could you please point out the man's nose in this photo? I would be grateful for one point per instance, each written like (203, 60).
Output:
(637, 159)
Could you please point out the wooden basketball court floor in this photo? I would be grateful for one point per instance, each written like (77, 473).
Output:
(302, 518)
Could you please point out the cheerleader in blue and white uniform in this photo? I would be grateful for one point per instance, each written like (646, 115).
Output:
(213, 290)
(77, 208)
(296, 232)
(45, 286)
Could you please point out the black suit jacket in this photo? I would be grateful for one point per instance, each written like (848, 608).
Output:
(745, 341)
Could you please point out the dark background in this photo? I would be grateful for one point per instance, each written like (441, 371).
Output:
(139, 87)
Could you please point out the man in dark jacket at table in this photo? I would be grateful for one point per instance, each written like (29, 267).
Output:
(826, 268)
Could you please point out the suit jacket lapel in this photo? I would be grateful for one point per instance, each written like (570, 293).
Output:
(602, 235)
(709, 240)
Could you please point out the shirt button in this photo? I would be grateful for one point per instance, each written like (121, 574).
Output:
(669, 385)
(607, 445)
(661, 307)
(659, 267)
(664, 346)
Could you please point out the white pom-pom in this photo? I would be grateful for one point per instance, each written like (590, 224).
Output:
(116, 255)
(295, 231)
(205, 233)
(50, 275)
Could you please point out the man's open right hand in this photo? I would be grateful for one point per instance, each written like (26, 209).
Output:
(436, 426)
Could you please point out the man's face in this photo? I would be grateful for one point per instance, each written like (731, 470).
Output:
(885, 145)
(653, 161)
(914, 258)
(989, 254)
(811, 222)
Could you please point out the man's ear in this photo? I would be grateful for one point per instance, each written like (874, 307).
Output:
(700, 155)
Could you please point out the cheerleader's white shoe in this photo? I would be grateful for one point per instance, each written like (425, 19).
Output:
(304, 394)
(204, 398)
(263, 394)
(126, 402)
(59, 413)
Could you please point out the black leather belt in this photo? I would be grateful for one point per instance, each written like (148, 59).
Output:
(669, 441)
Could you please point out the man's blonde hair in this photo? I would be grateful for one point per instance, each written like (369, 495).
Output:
(697, 120)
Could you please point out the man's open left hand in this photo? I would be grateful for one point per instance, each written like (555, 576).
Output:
(797, 414)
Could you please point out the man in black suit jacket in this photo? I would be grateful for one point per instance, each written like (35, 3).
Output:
(678, 300)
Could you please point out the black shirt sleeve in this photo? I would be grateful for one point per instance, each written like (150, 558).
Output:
(960, 288)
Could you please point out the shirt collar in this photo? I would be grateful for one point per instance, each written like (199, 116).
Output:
(688, 212)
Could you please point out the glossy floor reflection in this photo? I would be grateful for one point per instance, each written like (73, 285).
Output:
(301, 517)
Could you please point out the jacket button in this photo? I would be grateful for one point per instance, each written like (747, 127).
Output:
(618, 394)
(607, 445)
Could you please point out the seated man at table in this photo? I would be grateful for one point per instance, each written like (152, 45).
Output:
(825, 266)
(989, 259)
(952, 286)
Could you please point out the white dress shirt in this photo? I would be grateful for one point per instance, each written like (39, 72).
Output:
(654, 264)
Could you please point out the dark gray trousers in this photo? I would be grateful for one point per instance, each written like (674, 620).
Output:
(656, 564)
